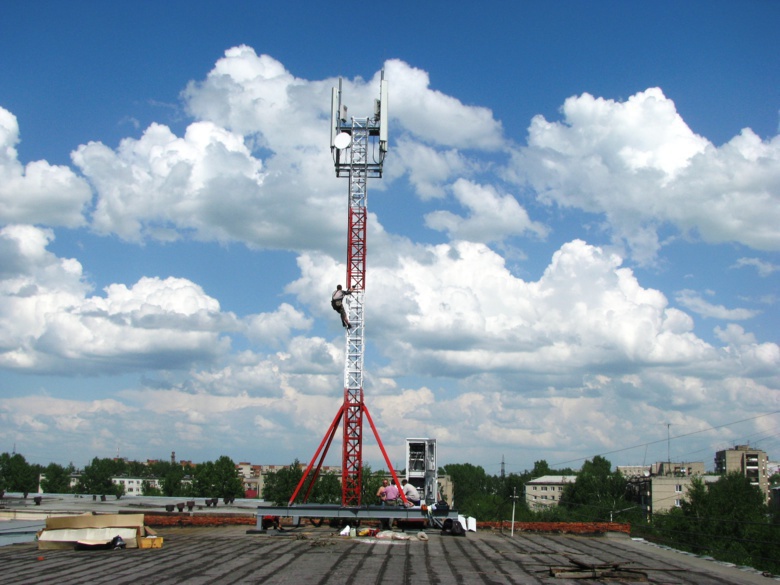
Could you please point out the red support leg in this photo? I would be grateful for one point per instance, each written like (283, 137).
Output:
(384, 454)
(326, 439)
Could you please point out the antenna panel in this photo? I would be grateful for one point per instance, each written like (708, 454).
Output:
(334, 115)
(383, 115)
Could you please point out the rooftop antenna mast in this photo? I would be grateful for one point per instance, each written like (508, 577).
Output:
(358, 147)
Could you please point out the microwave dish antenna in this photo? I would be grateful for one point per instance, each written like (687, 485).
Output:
(342, 140)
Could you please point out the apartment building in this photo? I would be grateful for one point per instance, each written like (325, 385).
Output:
(662, 468)
(752, 463)
(133, 486)
(546, 491)
(667, 468)
(661, 493)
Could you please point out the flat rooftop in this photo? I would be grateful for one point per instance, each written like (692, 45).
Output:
(233, 554)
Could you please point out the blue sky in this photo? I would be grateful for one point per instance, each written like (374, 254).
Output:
(574, 245)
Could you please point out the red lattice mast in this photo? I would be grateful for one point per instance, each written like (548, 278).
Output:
(350, 143)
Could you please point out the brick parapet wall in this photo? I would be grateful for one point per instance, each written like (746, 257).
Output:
(187, 519)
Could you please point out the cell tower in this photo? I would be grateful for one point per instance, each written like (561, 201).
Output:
(358, 146)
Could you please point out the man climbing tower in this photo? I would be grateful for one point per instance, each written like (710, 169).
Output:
(337, 302)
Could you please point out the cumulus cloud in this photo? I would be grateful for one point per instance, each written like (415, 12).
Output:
(735, 335)
(254, 168)
(160, 184)
(72, 421)
(584, 310)
(254, 94)
(455, 310)
(492, 216)
(429, 169)
(38, 193)
(437, 118)
(49, 323)
(275, 328)
(639, 163)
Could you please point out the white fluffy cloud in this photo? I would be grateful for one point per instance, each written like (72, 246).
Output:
(275, 328)
(437, 118)
(37, 193)
(638, 163)
(49, 323)
(492, 216)
(584, 310)
(429, 169)
(254, 95)
(456, 310)
(160, 184)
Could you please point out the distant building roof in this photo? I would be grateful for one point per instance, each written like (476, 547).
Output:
(555, 479)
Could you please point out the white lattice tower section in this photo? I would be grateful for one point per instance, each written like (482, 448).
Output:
(356, 273)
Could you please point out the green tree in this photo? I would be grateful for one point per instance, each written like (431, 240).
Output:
(17, 475)
(203, 480)
(731, 505)
(327, 490)
(56, 479)
(371, 481)
(597, 493)
(280, 485)
(727, 520)
(541, 468)
(96, 477)
(474, 490)
(170, 478)
(509, 487)
(171, 483)
(160, 469)
(137, 469)
(4, 458)
(227, 482)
